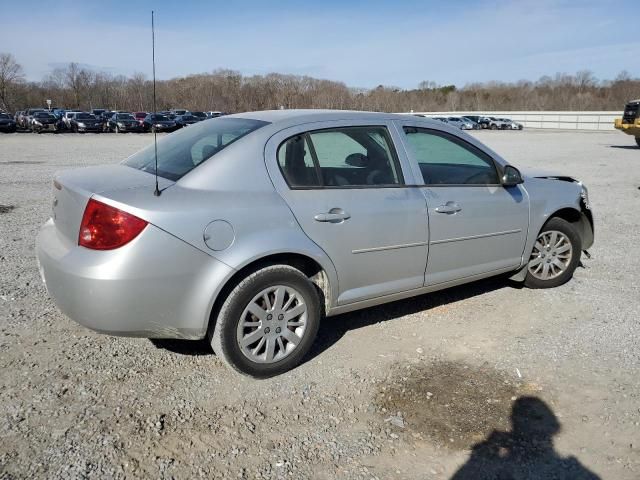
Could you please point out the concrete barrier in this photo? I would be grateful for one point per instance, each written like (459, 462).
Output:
(549, 120)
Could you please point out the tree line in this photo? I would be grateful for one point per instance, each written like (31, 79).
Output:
(75, 86)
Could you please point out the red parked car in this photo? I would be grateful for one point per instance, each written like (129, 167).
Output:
(140, 116)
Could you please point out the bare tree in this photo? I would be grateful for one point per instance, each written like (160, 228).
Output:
(11, 74)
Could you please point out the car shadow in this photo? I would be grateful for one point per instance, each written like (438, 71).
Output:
(527, 451)
(332, 329)
(625, 147)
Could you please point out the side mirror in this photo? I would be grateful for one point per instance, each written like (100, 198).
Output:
(511, 177)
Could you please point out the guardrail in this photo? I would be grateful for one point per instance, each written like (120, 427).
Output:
(548, 120)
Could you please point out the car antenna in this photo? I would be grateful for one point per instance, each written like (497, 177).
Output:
(156, 192)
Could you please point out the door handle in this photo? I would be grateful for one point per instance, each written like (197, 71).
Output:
(449, 208)
(335, 215)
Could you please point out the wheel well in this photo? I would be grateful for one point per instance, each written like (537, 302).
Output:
(581, 220)
(312, 269)
(571, 215)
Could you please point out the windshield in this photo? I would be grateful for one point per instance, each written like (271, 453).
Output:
(4, 115)
(43, 115)
(181, 152)
(188, 117)
(159, 118)
(85, 116)
(125, 116)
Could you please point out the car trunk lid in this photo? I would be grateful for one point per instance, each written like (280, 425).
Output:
(73, 189)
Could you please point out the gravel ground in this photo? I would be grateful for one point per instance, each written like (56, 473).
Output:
(540, 384)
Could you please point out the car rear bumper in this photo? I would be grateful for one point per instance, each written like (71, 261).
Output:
(156, 286)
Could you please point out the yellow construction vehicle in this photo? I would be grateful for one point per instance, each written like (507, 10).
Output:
(630, 121)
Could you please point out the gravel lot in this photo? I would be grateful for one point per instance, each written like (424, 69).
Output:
(399, 391)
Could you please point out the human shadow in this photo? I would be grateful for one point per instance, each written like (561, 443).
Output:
(526, 452)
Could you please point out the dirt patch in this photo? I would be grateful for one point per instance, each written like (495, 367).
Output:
(451, 404)
(6, 208)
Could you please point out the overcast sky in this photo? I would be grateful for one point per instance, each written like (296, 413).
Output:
(363, 43)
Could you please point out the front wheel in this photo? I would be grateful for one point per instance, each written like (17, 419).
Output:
(493, 127)
(555, 255)
(268, 322)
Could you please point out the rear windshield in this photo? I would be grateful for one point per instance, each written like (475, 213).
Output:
(181, 152)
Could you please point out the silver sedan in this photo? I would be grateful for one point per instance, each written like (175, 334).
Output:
(262, 223)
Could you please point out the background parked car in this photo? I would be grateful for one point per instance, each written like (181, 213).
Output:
(213, 114)
(44, 122)
(461, 123)
(85, 122)
(199, 115)
(7, 124)
(185, 120)
(179, 111)
(28, 117)
(140, 116)
(66, 118)
(498, 124)
(511, 124)
(123, 122)
(98, 111)
(155, 122)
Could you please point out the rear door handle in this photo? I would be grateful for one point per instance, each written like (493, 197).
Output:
(449, 208)
(335, 215)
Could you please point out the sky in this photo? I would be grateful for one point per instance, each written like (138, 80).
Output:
(362, 43)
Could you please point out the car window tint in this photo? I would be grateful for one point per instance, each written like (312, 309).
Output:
(355, 156)
(296, 163)
(181, 152)
(447, 160)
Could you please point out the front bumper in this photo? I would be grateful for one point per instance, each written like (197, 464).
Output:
(156, 286)
(628, 128)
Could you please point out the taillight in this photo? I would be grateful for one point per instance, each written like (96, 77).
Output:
(105, 227)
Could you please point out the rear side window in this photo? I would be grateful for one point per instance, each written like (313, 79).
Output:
(181, 152)
(447, 160)
(340, 158)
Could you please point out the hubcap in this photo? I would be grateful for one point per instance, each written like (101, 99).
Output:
(272, 325)
(551, 255)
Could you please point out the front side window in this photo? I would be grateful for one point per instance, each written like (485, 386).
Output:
(446, 160)
(340, 158)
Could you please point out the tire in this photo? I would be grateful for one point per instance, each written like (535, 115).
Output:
(225, 337)
(550, 257)
(493, 127)
(638, 141)
(117, 129)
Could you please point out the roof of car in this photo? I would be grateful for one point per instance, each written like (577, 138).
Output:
(303, 116)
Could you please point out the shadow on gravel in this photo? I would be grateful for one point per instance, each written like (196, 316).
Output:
(332, 329)
(526, 451)
(507, 429)
(625, 147)
(184, 347)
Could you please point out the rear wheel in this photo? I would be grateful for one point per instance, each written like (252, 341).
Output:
(638, 141)
(268, 322)
(555, 255)
(493, 126)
